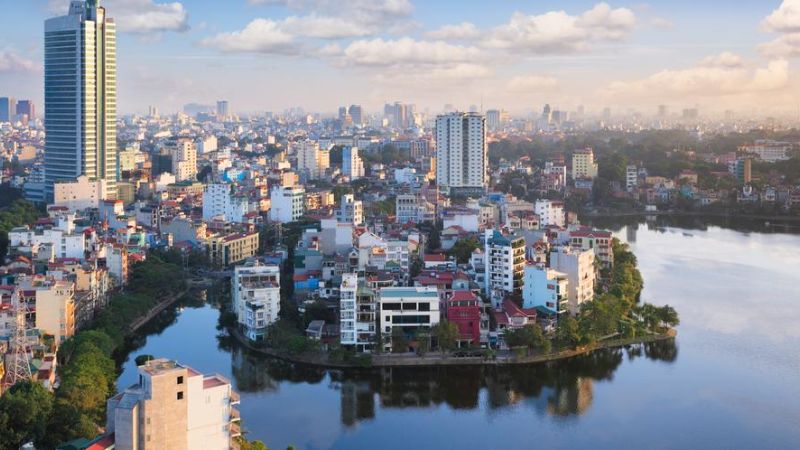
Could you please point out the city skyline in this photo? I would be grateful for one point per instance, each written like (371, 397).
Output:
(268, 55)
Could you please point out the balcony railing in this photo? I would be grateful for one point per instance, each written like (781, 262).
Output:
(235, 399)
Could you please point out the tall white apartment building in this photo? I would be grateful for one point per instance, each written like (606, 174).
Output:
(184, 159)
(176, 407)
(287, 204)
(207, 145)
(583, 165)
(631, 178)
(579, 267)
(550, 212)
(220, 203)
(350, 210)
(357, 314)
(256, 293)
(80, 96)
(504, 265)
(461, 153)
(545, 287)
(352, 164)
(312, 161)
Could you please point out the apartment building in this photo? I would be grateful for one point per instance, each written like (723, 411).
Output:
(504, 266)
(584, 165)
(545, 287)
(409, 308)
(357, 314)
(256, 294)
(578, 265)
(174, 407)
(228, 249)
(54, 305)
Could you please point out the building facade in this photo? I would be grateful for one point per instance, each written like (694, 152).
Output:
(462, 163)
(256, 294)
(409, 308)
(583, 165)
(545, 287)
(578, 265)
(504, 265)
(287, 204)
(352, 164)
(80, 96)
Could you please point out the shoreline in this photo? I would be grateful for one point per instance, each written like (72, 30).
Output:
(716, 214)
(439, 360)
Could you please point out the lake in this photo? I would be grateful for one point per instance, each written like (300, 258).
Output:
(731, 379)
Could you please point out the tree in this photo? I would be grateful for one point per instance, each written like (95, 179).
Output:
(529, 337)
(568, 332)
(24, 412)
(446, 334)
(399, 340)
(463, 248)
(142, 359)
(423, 339)
(668, 316)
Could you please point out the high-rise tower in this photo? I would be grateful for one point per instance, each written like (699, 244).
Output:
(80, 96)
(461, 153)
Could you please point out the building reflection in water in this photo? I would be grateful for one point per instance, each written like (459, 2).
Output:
(561, 389)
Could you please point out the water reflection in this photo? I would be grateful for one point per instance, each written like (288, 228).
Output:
(562, 389)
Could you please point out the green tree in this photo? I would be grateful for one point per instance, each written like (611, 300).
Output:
(24, 412)
(399, 340)
(463, 248)
(568, 332)
(446, 334)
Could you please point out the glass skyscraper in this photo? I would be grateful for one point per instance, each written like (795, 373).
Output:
(80, 95)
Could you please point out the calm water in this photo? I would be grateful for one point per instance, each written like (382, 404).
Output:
(730, 380)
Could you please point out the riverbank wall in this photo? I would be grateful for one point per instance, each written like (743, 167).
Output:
(434, 359)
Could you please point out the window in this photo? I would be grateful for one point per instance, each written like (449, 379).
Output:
(180, 395)
(180, 380)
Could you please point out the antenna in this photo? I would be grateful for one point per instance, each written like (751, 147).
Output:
(19, 365)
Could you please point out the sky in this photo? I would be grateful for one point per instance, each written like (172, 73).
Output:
(269, 55)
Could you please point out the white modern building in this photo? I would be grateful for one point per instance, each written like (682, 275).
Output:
(287, 204)
(220, 203)
(256, 294)
(462, 163)
(550, 212)
(207, 145)
(504, 265)
(80, 194)
(80, 96)
(173, 406)
(583, 165)
(312, 161)
(545, 287)
(352, 164)
(409, 308)
(631, 178)
(350, 210)
(184, 159)
(357, 314)
(769, 150)
(578, 265)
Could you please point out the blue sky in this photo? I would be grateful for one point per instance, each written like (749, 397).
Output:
(267, 55)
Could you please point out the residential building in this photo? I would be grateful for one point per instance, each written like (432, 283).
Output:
(81, 123)
(413, 208)
(117, 263)
(578, 265)
(545, 287)
(220, 203)
(550, 212)
(631, 178)
(352, 164)
(8, 109)
(768, 150)
(504, 266)
(409, 308)
(184, 159)
(287, 204)
(256, 294)
(357, 310)
(584, 165)
(462, 163)
(174, 407)
(350, 210)
(54, 305)
(600, 242)
(80, 194)
(312, 161)
(464, 310)
(225, 250)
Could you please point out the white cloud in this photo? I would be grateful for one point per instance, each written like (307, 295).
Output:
(462, 31)
(324, 27)
(407, 51)
(526, 83)
(785, 19)
(662, 23)
(147, 16)
(557, 31)
(365, 17)
(259, 36)
(724, 60)
(787, 45)
(704, 81)
(11, 61)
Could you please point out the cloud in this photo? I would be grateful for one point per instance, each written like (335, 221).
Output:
(785, 19)
(785, 46)
(557, 31)
(724, 60)
(704, 81)
(526, 83)
(407, 51)
(462, 31)
(12, 62)
(259, 36)
(660, 22)
(147, 16)
(364, 17)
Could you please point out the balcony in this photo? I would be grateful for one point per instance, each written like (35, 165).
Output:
(235, 399)
(236, 416)
(235, 429)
